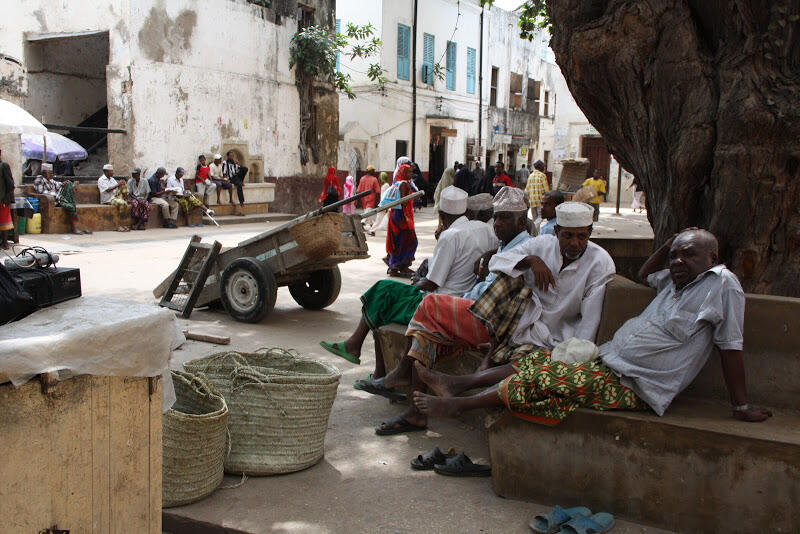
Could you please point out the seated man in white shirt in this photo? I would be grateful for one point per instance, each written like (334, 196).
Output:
(185, 199)
(451, 272)
(547, 290)
(649, 361)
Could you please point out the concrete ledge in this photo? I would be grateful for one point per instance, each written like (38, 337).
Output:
(694, 470)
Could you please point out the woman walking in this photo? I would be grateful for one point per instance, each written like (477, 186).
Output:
(331, 190)
(349, 189)
(401, 239)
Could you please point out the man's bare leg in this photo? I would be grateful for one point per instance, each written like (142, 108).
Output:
(400, 375)
(445, 385)
(354, 343)
(453, 406)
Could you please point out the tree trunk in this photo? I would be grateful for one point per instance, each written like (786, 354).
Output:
(701, 100)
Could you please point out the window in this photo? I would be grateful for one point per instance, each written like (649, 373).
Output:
(451, 65)
(515, 91)
(338, 29)
(471, 70)
(305, 17)
(428, 48)
(403, 51)
(493, 91)
(546, 104)
(400, 149)
(532, 98)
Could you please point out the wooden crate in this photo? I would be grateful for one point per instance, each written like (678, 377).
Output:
(85, 456)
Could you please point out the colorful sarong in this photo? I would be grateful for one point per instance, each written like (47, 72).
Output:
(445, 326)
(187, 204)
(66, 199)
(389, 301)
(120, 199)
(6, 223)
(546, 392)
(401, 239)
(140, 209)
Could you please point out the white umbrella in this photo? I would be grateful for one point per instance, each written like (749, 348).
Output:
(15, 120)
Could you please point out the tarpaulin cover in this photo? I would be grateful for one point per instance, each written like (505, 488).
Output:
(95, 336)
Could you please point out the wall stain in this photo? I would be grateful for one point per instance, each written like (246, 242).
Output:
(162, 38)
(228, 131)
(40, 18)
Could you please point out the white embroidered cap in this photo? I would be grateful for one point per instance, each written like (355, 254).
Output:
(453, 200)
(574, 215)
(217, 156)
(510, 199)
(481, 202)
(108, 167)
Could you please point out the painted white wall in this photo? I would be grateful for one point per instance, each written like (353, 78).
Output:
(182, 77)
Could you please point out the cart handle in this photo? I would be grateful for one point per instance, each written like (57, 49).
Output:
(336, 205)
(373, 211)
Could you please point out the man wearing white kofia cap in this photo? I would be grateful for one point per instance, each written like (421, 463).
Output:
(107, 184)
(450, 272)
(548, 289)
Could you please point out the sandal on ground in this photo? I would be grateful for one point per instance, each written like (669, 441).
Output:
(400, 274)
(355, 384)
(375, 386)
(597, 524)
(552, 522)
(339, 350)
(87, 232)
(426, 461)
(77, 232)
(461, 466)
(397, 425)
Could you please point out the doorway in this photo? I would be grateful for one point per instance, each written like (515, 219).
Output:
(595, 150)
(437, 161)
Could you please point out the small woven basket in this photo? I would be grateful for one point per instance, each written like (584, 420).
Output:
(193, 442)
(279, 407)
(320, 236)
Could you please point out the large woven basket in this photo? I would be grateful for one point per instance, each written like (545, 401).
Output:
(194, 441)
(279, 407)
(318, 237)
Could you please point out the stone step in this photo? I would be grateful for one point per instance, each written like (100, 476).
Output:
(694, 470)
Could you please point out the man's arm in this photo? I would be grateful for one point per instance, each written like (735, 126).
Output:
(657, 261)
(733, 371)
(541, 272)
(426, 285)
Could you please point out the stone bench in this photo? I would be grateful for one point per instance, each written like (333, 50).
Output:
(695, 469)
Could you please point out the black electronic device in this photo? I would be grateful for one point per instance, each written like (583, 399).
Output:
(51, 285)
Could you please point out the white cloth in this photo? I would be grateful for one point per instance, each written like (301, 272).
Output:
(458, 248)
(574, 350)
(92, 335)
(658, 353)
(174, 185)
(573, 307)
(103, 184)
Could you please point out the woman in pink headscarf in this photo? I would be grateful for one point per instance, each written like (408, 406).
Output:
(349, 189)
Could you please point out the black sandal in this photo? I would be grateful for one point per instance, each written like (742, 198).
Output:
(397, 425)
(375, 386)
(461, 466)
(425, 462)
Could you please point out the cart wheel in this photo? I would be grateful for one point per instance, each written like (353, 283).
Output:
(319, 290)
(248, 290)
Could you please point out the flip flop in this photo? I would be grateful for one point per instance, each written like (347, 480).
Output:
(596, 524)
(397, 425)
(375, 386)
(339, 350)
(426, 461)
(552, 522)
(461, 466)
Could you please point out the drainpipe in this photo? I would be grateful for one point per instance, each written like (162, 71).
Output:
(414, 85)
(480, 88)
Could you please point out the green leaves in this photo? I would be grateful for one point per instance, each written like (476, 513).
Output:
(533, 16)
(314, 50)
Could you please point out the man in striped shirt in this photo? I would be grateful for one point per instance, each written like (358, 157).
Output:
(535, 188)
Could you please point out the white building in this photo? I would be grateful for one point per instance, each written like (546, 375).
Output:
(180, 78)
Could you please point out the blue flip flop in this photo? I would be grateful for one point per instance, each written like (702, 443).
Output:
(551, 523)
(596, 524)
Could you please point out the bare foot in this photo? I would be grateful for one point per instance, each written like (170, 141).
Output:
(440, 384)
(435, 406)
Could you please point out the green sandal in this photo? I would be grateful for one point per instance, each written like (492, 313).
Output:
(339, 350)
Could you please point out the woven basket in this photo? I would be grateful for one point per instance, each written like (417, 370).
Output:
(318, 237)
(193, 442)
(279, 407)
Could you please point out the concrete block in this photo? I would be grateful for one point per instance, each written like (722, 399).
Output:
(693, 470)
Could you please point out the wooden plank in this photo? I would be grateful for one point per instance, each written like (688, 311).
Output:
(101, 468)
(200, 281)
(130, 455)
(155, 458)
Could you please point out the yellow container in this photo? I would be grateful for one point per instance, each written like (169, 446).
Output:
(35, 224)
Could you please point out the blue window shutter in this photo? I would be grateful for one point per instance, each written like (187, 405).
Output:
(428, 47)
(471, 71)
(451, 65)
(338, 29)
(403, 51)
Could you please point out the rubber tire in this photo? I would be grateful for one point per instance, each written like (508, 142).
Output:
(319, 291)
(265, 286)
